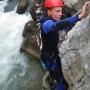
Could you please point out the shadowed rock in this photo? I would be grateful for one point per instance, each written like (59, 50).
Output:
(11, 4)
(30, 35)
(22, 6)
(36, 10)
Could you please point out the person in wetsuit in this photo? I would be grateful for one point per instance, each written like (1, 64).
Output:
(51, 24)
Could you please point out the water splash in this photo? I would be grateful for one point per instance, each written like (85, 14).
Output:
(13, 65)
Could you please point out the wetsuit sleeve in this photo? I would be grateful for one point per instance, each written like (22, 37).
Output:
(68, 23)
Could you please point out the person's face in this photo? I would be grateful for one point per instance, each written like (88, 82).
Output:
(55, 13)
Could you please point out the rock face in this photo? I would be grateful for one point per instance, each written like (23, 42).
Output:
(30, 35)
(75, 56)
(74, 3)
(36, 10)
(75, 52)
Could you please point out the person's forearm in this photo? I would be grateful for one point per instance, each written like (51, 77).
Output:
(68, 23)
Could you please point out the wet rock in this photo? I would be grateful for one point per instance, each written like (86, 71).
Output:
(29, 29)
(11, 4)
(36, 10)
(31, 35)
(22, 6)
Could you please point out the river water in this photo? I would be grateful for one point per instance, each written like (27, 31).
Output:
(17, 71)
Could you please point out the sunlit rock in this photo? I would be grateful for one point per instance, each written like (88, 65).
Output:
(75, 56)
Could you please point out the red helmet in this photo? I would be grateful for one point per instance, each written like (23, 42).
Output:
(53, 3)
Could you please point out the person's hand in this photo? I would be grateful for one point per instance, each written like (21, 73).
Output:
(85, 10)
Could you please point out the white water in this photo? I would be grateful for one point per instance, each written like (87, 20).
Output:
(13, 65)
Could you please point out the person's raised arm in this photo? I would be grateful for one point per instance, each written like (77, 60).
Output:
(68, 23)
(51, 25)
